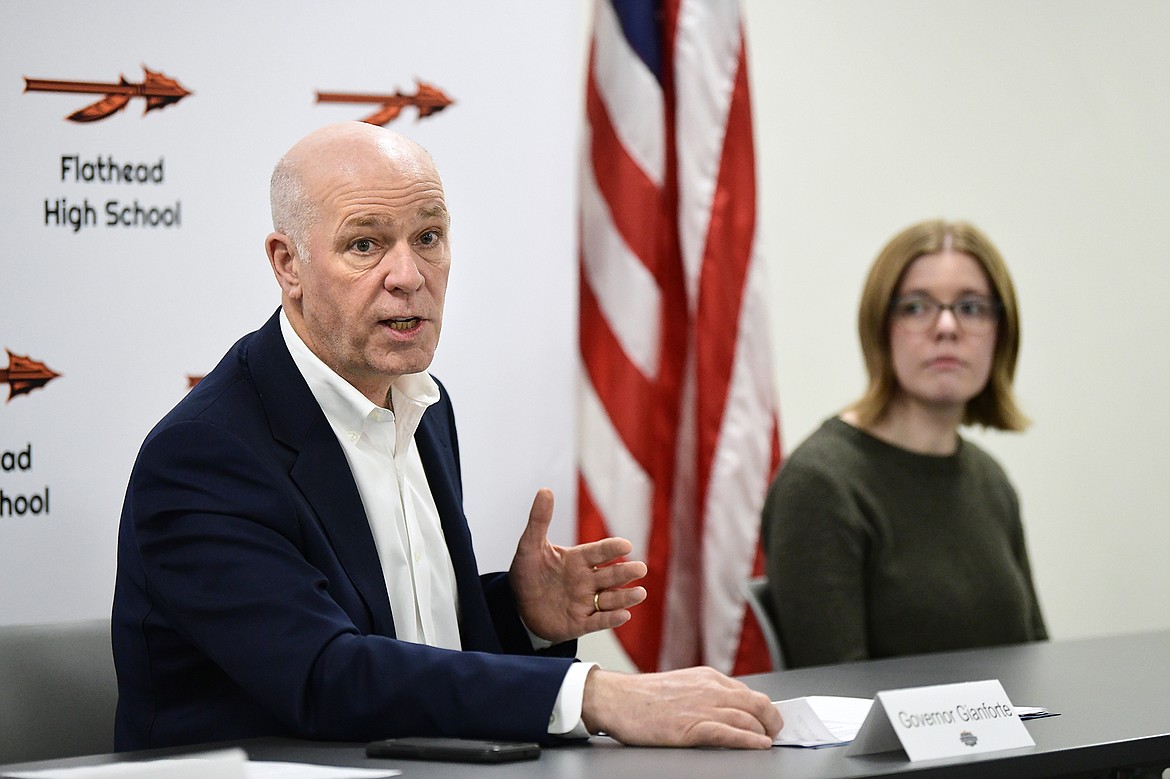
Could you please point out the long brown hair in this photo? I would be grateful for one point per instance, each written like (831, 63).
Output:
(995, 406)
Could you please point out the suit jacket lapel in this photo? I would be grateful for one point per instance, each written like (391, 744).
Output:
(319, 469)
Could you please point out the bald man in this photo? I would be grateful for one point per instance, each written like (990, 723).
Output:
(293, 557)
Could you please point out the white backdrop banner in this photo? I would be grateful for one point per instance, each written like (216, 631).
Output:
(138, 138)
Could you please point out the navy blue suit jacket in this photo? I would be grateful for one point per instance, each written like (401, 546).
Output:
(249, 598)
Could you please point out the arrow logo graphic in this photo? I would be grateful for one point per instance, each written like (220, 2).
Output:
(25, 375)
(427, 99)
(158, 90)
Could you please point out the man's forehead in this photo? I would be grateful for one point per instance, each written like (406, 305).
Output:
(378, 217)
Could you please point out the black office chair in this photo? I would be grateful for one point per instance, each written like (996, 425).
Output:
(58, 690)
(759, 598)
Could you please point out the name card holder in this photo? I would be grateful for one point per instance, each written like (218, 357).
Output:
(946, 720)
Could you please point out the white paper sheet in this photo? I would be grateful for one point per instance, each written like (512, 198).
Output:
(820, 720)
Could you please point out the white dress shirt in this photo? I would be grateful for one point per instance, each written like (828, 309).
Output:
(416, 564)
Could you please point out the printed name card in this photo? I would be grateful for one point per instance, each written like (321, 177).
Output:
(944, 720)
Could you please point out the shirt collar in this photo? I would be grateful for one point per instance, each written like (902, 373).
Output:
(346, 407)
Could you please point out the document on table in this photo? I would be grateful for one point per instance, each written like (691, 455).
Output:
(820, 720)
(227, 764)
(1033, 712)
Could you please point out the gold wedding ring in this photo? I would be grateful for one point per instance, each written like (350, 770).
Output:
(596, 605)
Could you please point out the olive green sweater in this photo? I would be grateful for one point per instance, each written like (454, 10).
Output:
(875, 551)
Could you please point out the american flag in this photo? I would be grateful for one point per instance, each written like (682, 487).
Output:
(679, 432)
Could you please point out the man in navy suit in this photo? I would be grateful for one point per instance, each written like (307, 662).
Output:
(293, 557)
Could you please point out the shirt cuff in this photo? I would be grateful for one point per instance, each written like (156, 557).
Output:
(565, 719)
(538, 643)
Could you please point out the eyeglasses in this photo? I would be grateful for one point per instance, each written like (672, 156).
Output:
(975, 315)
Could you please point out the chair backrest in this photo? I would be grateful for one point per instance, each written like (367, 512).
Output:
(58, 690)
(759, 598)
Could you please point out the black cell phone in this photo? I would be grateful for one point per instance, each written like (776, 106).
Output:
(458, 750)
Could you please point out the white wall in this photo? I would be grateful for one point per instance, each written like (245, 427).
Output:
(1046, 122)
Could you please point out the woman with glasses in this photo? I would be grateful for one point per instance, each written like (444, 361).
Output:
(886, 532)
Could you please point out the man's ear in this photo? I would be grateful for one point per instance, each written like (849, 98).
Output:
(286, 266)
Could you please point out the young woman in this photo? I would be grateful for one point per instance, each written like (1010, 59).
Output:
(886, 532)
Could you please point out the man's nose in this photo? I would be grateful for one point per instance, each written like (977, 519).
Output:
(401, 268)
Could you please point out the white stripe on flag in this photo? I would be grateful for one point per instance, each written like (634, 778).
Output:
(706, 56)
(617, 483)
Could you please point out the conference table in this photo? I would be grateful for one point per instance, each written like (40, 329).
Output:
(1112, 695)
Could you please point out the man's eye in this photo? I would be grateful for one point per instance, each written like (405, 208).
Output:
(363, 245)
(429, 238)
